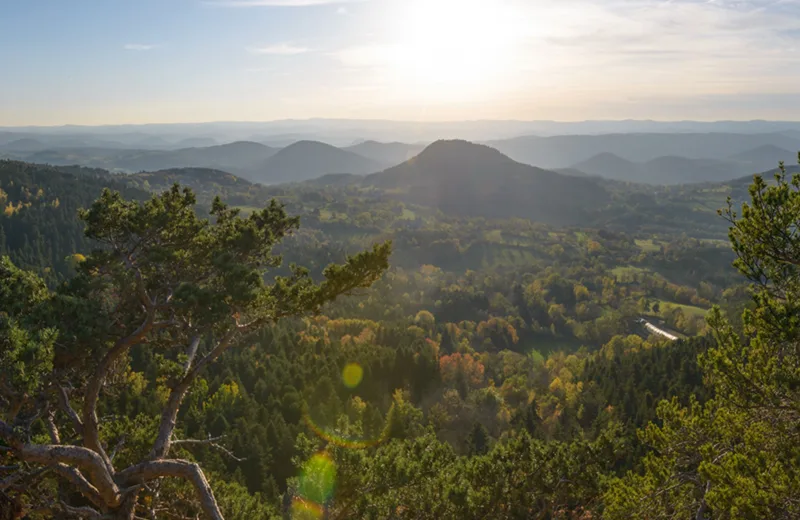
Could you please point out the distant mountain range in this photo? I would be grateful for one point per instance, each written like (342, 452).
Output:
(564, 151)
(766, 156)
(458, 178)
(663, 170)
(346, 132)
(682, 170)
(645, 158)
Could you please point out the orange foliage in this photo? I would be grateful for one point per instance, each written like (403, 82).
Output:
(466, 363)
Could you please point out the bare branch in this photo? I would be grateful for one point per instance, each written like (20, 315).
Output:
(55, 438)
(157, 469)
(12, 480)
(191, 352)
(141, 290)
(66, 407)
(170, 413)
(211, 443)
(91, 438)
(117, 447)
(82, 512)
(76, 478)
(77, 456)
(90, 424)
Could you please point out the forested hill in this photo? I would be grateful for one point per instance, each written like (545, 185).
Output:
(307, 160)
(39, 228)
(469, 179)
(193, 177)
(442, 191)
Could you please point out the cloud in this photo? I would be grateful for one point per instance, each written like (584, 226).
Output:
(276, 3)
(341, 10)
(367, 56)
(279, 49)
(139, 47)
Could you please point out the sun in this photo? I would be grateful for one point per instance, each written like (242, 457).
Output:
(455, 47)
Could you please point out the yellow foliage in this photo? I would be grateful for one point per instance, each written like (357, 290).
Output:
(425, 319)
(136, 382)
(581, 292)
(594, 247)
(429, 270)
(367, 337)
(565, 375)
(416, 331)
(162, 394)
(357, 404)
(224, 397)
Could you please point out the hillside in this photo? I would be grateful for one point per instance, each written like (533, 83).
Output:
(610, 166)
(765, 157)
(388, 154)
(681, 170)
(668, 170)
(307, 160)
(192, 177)
(26, 144)
(196, 142)
(238, 157)
(39, 227)
(468, 179)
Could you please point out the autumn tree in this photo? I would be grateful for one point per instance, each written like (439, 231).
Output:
(163, 280)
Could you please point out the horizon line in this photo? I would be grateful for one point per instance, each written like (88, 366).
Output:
(410, 121)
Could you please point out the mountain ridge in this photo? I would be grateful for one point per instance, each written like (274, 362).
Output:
(306, 160)
(468, 179)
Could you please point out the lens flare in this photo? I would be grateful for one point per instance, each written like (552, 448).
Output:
(318, 479)
(352, 375)
(303, 510)
(336, 439)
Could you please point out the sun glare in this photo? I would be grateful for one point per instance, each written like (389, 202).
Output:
(455, 47)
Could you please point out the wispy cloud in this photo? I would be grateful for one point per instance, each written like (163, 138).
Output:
(367, 56)
(279, 49)
(139, 47)
(276, 3)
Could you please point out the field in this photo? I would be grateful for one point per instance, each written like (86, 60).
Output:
(628, 270)
(689, 310)
(648, 246)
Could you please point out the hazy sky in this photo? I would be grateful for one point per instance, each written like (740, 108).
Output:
(136, 61)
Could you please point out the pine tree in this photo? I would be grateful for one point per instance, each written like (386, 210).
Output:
(478, 440)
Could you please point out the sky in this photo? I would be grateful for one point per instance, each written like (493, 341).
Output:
(159, 61)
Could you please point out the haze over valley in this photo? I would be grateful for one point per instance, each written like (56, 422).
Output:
(681, 156)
